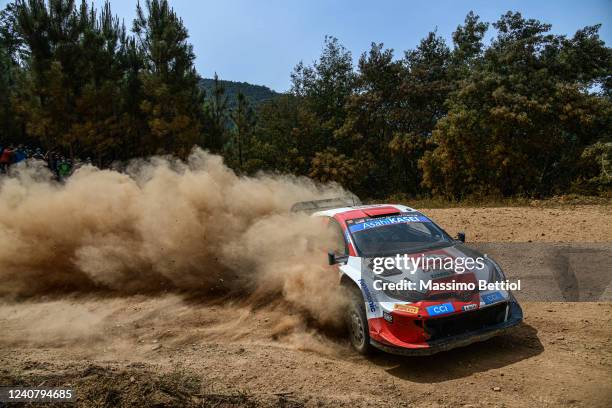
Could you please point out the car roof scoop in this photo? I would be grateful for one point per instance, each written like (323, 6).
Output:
(381, 212)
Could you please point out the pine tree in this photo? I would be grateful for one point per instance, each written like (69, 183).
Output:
(10, 49)
(216, 113)
(244, 121)
(172, 98)
(522, 118)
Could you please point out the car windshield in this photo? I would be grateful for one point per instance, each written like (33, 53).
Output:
(401, 233)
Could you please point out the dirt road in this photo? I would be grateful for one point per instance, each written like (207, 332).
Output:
(169, 350)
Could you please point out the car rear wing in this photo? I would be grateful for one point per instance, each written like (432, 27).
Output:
(326, 204)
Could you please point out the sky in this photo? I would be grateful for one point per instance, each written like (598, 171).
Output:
(261, 41)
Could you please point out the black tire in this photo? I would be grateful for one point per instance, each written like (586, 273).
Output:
(357, 324)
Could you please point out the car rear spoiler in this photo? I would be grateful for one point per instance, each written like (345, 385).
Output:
(326, 204)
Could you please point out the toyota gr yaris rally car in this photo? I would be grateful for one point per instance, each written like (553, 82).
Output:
(417, 307)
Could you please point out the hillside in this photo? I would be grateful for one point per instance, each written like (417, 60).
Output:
(255, 93)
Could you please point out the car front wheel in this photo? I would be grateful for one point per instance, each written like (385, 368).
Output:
(357, 324)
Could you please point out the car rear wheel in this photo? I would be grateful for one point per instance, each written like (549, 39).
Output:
(357, 324)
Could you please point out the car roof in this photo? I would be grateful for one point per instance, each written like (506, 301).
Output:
(363, 211)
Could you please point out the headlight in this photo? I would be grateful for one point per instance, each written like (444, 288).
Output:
(496, 274)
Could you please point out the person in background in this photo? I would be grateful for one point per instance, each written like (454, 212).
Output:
(57, 160)
(19, 155)
(6, 158)
(38, 154)
(77, 164)
(64, 169)
(51, 162)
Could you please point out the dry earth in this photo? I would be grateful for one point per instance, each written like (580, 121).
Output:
(172, 351)
(588, 223)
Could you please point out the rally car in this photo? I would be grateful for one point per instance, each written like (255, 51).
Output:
(419, 318)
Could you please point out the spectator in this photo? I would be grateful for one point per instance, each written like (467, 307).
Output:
(60, 166)
(64, 169)
(52, 162)
(38, 154)
(6, 159)
(19, 155)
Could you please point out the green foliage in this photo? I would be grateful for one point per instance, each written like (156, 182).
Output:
(331, 166)
(10, 45)
(216, 113)
(281, 137)
(527, 115)
(243, 118)
(256, 94)
(522, 118)
(171, 96)
(596, 169)
(83, 86)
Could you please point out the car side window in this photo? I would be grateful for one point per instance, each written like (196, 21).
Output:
(340, 246)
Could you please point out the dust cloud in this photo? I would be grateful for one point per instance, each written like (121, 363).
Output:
(165, 225)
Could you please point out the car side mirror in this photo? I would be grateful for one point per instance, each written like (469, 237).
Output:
(461, 236)
(333, 258)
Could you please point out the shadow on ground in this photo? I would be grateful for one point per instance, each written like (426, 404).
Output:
(523, 343)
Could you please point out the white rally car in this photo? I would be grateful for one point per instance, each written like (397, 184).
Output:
(419, 318)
